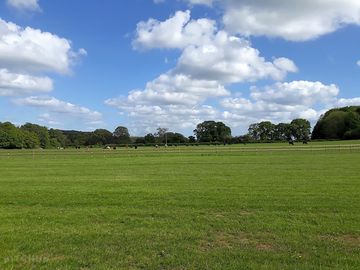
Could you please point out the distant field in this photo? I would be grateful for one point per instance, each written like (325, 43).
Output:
(263, 206)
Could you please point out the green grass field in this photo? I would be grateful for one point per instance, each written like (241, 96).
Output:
(238, 207)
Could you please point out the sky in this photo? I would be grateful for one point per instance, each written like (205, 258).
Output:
(144, 64)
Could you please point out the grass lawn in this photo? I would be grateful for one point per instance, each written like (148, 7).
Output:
(180, 208)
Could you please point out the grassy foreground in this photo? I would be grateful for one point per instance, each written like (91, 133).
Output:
(180, 209)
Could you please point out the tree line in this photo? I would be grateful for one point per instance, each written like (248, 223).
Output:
(342, 123)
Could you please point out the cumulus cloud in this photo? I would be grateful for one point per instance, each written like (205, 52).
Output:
(12, 84)
(177, 89)
(55, 105)
(48, 119)
(297, 20)
(61, 114)
(177, 32)
(171, 100)
(145, 118)
(281, 102)
(201, 2)
(208, 53)
(230, 59)
(297, 92)
(210, 60)
(31, 50)
(24, 5)
(344, 102)
(26, 52)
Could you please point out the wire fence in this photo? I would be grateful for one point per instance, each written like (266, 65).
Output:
(192, 150)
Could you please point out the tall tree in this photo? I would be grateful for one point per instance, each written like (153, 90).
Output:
(121, 135)
(301, 129)
(264, 131)
(30, 140)
(41, 132)
(211, 131)
(150, 138)
(161, 135)
(102, 136)
(340, 123)
(57, 138)
(11, 137)
(283, 132)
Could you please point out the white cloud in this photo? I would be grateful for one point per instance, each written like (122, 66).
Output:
(281, 102)
(25, 5)
(171, 100)
(177, 32)
(209, 54)
(201, 2)
(146, 118)
(297, 93)
(344, 102)
(13, 84)
(230, 59)
(26, 52)
(296, 20)
(54, 105)
(31, 50)
(177, 89)
(210, 59)
(358, 63)
(48, 119)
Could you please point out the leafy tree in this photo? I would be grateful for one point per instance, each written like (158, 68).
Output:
(175, 137)
(57, 138)
(264, 131)
(254, 132)
(192, 139)
(30, 140)
(283, 132)
(41, 132)
(211, 131)
(139, 140)
(340, 123)
(149, 138)
(78, 138)
(10, 136)
(301, 129)
(160, 135)
(102, 137)
(122, 135)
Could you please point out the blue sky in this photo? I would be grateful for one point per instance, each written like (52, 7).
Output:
(174, 63)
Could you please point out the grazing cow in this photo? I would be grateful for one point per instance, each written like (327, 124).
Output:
(305, 142)
(136, 147)
(114, 148)
(291, 142)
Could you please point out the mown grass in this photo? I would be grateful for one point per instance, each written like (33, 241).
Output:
(181, 209)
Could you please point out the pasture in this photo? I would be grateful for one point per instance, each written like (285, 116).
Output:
(209, 207)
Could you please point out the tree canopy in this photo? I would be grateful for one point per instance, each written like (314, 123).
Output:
(211, 131)
(121, 135)
(298, 130)
(338, 124)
